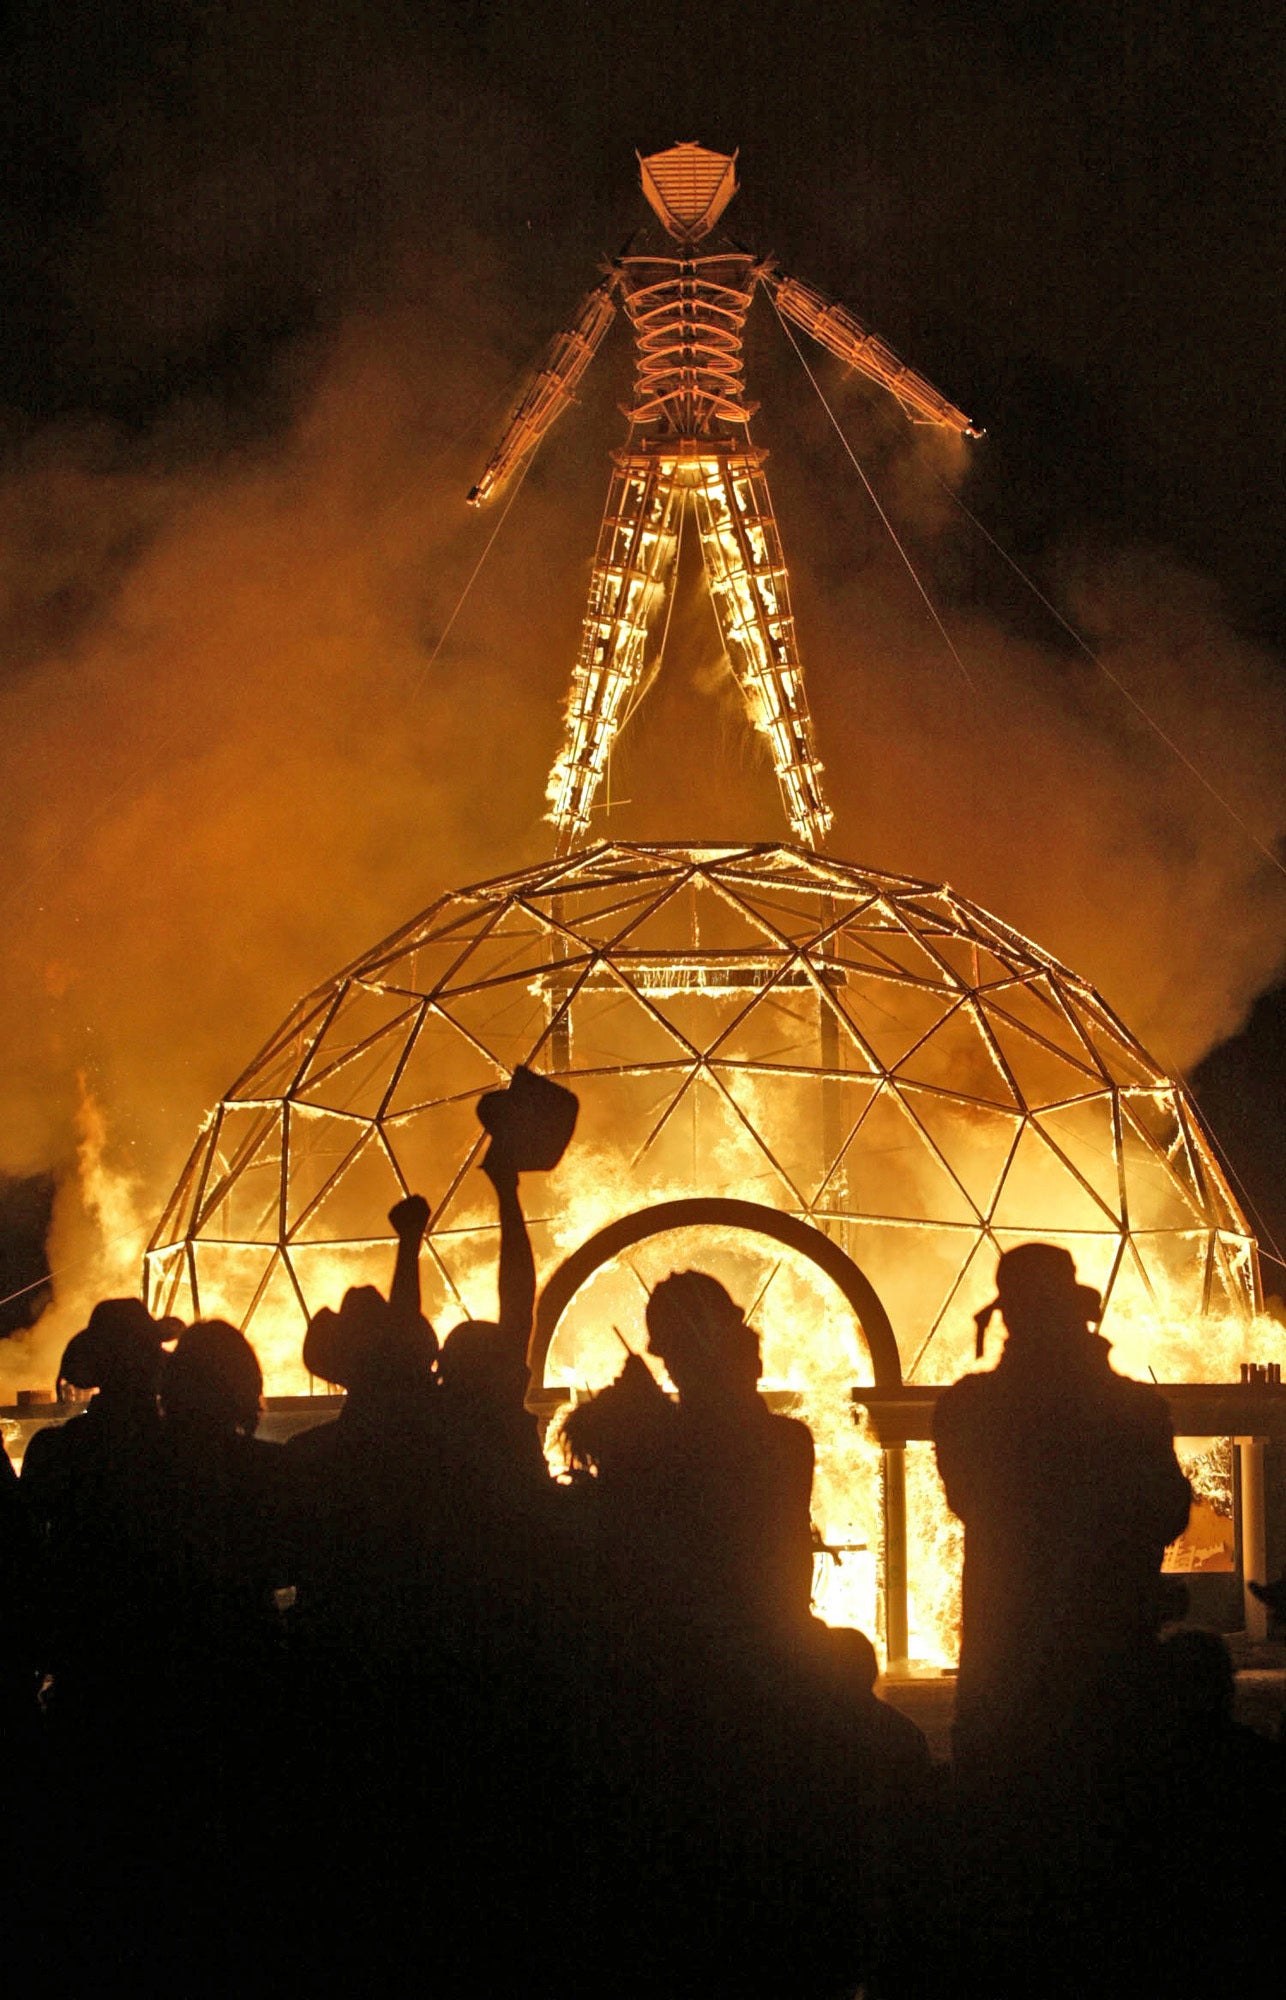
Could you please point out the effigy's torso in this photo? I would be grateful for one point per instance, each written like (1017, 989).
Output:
(688, 314)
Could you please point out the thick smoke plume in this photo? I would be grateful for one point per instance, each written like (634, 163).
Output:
(232, 758)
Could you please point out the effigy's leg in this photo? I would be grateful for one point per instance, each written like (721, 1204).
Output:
(632, 567)
(741, 545)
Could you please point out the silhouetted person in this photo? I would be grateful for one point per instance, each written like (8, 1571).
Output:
(704, 1575)
(365, 1480)
(425, 1602)
(218, 1699)
(483, 1366)
(225, 1530)
(95, 1487)
(712, 1494)
(870, 1817)
(850, 1663)
(91, 1484)
(1065, 1477)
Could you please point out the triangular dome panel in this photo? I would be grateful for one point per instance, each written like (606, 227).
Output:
(890, 1169)
(1041, 1075)
(1085, 1134)
(891, 1019)
(974, 1141)
(275, 1324)
(617, 1026)
(347, 1208)
(434, 1145)
(359, 1081)
(1123, 1062)
(807, 1147)
(242, 1193)
(1159, 1195)
(439, 1061)
(958, 1057)
(230, 1278)
(509, 1022)
(1041, 1193)
(1030, 1005)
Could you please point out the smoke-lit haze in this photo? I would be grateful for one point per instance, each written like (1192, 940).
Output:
(295, 305)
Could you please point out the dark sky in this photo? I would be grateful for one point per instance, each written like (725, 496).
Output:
(1071, 217)
(1073, 213)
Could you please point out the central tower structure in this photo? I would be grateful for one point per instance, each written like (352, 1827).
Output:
(690, 444)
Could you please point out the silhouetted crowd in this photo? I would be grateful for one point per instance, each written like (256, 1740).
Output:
(390, 1707)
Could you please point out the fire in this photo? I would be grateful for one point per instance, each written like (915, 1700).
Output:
(870, 1055)
(111, 1199)
(813, 1355)
(100, 1228)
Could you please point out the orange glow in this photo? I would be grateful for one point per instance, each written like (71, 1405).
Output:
(871, 1054)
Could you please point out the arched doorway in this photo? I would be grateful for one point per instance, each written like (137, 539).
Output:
(713, 1211)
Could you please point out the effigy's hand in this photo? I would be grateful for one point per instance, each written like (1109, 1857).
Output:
(410, 1218)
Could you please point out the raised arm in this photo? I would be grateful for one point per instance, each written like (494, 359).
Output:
(517, 1283)
(410, 1219)
(569, 355)
(833, 327)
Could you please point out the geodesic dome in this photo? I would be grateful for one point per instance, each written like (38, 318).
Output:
(868, 1052)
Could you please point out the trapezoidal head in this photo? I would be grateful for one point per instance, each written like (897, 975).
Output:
(689, 188)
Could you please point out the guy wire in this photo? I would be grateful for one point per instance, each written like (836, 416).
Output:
(948, 641)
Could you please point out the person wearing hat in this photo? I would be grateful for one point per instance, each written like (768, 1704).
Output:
(91, 1485)
(1064, 1475)
(118, 1354)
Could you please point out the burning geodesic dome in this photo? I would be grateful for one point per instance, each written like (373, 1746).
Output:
(866, 1052)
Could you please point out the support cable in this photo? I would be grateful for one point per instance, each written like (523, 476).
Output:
(947, 640)
(1097, 660)
(1264, 1234)
(417, 679)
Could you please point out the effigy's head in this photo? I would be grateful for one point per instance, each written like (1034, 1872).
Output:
(688, 188)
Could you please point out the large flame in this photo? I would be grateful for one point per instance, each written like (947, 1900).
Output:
(871, 1055)
(813, 1353)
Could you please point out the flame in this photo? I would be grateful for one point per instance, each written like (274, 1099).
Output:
(100, 1229)
(813, 1354)
(111, 1199)
(709, 1063)
(812, 1347)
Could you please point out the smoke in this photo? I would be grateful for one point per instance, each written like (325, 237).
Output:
(240, 770)
(1124, 816)
(232, 757)
(1135, 842)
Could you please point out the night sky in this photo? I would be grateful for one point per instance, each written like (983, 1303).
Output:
(1070, 218)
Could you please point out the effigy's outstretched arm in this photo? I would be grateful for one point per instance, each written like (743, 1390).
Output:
(569, 355)
(836, 329)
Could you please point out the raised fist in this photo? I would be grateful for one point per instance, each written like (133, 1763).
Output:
(410, 1218)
